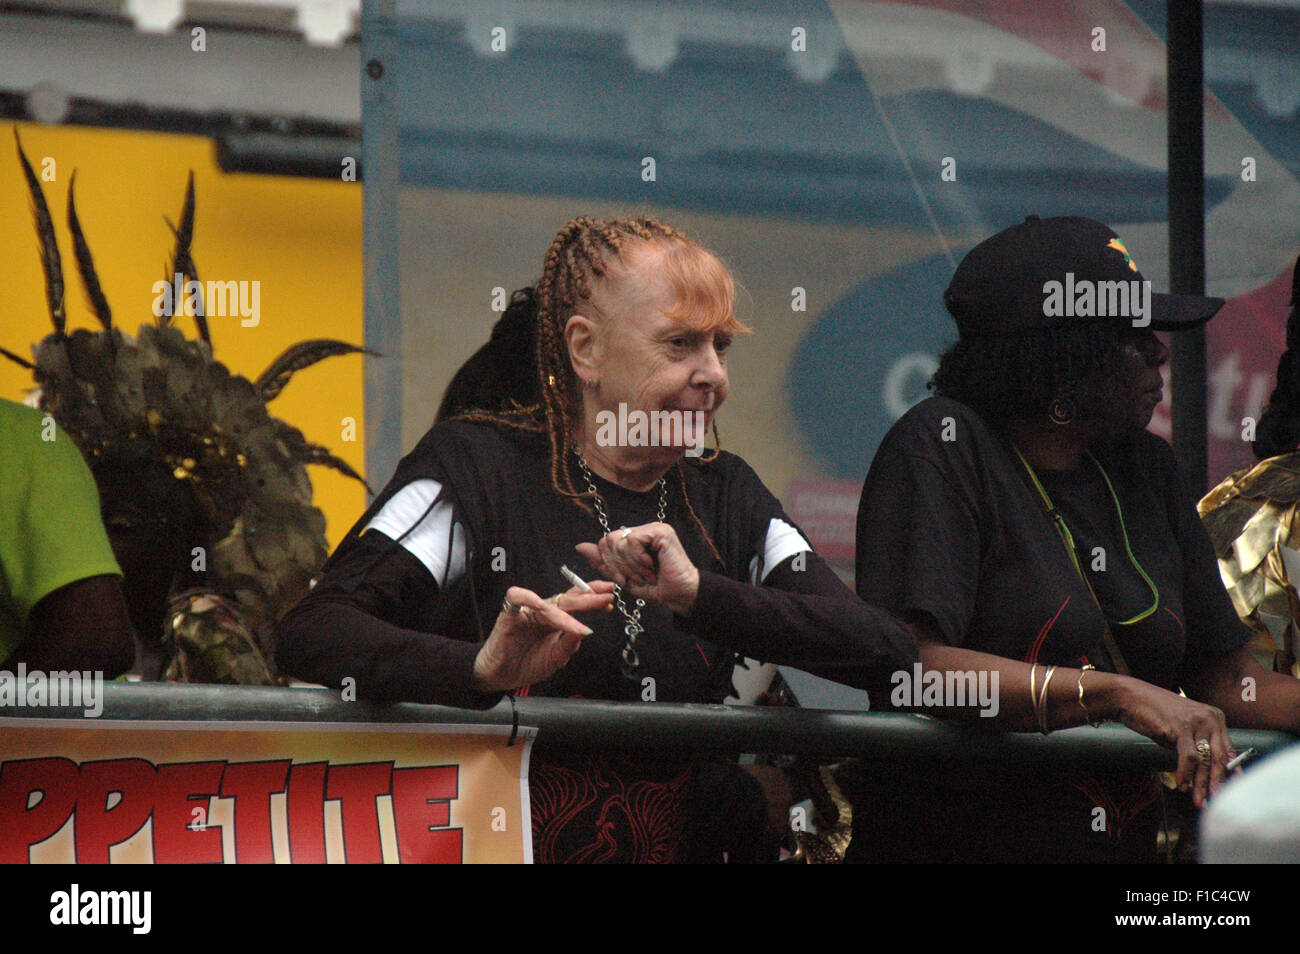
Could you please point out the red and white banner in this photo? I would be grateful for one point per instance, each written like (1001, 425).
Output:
(242, 792)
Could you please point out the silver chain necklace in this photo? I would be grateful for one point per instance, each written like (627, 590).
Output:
(633, 629)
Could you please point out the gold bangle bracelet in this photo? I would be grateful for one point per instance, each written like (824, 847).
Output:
(1042, 717)
(1033, 694)
(1095, 723)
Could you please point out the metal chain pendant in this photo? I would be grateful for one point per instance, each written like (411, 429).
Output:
(633, 629)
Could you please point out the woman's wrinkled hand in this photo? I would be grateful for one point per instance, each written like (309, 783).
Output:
(534, 638)
(1181, 724)
(649, 562)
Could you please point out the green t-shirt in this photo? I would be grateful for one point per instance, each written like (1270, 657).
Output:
(51, 533)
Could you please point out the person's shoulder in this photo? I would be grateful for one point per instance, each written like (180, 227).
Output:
(478, 438)
(945, 440)
(937, 424)
(13, 411)
(468, 431)
(22, 425)
(477, 463)
(723, 462)
(31, 436)
(934, 410)
(725, 469)
(727, 479)
(727, 492)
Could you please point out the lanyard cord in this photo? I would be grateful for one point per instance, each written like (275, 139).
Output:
(1068, 538)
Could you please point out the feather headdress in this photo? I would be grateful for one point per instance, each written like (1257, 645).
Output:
(161, 398)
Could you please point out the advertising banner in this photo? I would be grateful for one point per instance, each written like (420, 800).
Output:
(247, 793)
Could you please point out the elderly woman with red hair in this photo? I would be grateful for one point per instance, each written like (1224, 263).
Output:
(439, 592)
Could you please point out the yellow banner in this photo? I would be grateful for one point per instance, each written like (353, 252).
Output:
(256, 792)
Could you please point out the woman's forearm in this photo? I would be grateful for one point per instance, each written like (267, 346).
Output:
(1008, 682)
(329, 641)
(1250, 696)
(832, 634)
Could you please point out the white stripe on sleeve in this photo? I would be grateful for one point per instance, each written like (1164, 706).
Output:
(782, 542)
(430, 541)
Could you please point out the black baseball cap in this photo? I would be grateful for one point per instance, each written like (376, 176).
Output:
(1051, 273)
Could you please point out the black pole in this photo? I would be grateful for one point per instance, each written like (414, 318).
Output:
(1186, 183)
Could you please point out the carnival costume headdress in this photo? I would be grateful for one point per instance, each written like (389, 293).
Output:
(159, 399)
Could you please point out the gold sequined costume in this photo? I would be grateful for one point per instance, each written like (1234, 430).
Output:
(1252, 520)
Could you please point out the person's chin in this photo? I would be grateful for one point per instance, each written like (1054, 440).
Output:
(1145, 408)
(1115, 427)
(1142, 419)
(666, 454)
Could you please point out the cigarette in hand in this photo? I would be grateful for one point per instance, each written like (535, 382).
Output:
(576, 580)
(1239, 759)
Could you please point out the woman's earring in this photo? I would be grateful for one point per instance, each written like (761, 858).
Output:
(592, 385)
(1061, 411)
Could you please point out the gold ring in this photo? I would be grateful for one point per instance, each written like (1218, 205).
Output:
(526, 612)
(1203, 750)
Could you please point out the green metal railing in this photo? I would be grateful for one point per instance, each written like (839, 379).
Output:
(666, 728)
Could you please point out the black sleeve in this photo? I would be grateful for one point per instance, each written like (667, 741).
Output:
(359, 621)
(1213, 626)
(803, 616)
(918, 544)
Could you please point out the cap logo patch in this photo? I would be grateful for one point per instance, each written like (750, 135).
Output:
(1118, 246)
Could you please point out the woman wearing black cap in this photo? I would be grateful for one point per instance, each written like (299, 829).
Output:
(1031, 529)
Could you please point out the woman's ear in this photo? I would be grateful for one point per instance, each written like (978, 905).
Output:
(582, 339)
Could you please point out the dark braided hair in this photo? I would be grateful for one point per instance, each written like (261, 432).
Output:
(1018, 376)
(583, 253)
(1278, 431)
(501, 376)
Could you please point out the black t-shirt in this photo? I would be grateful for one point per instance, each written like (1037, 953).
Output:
(375, 612)
(953, 535)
